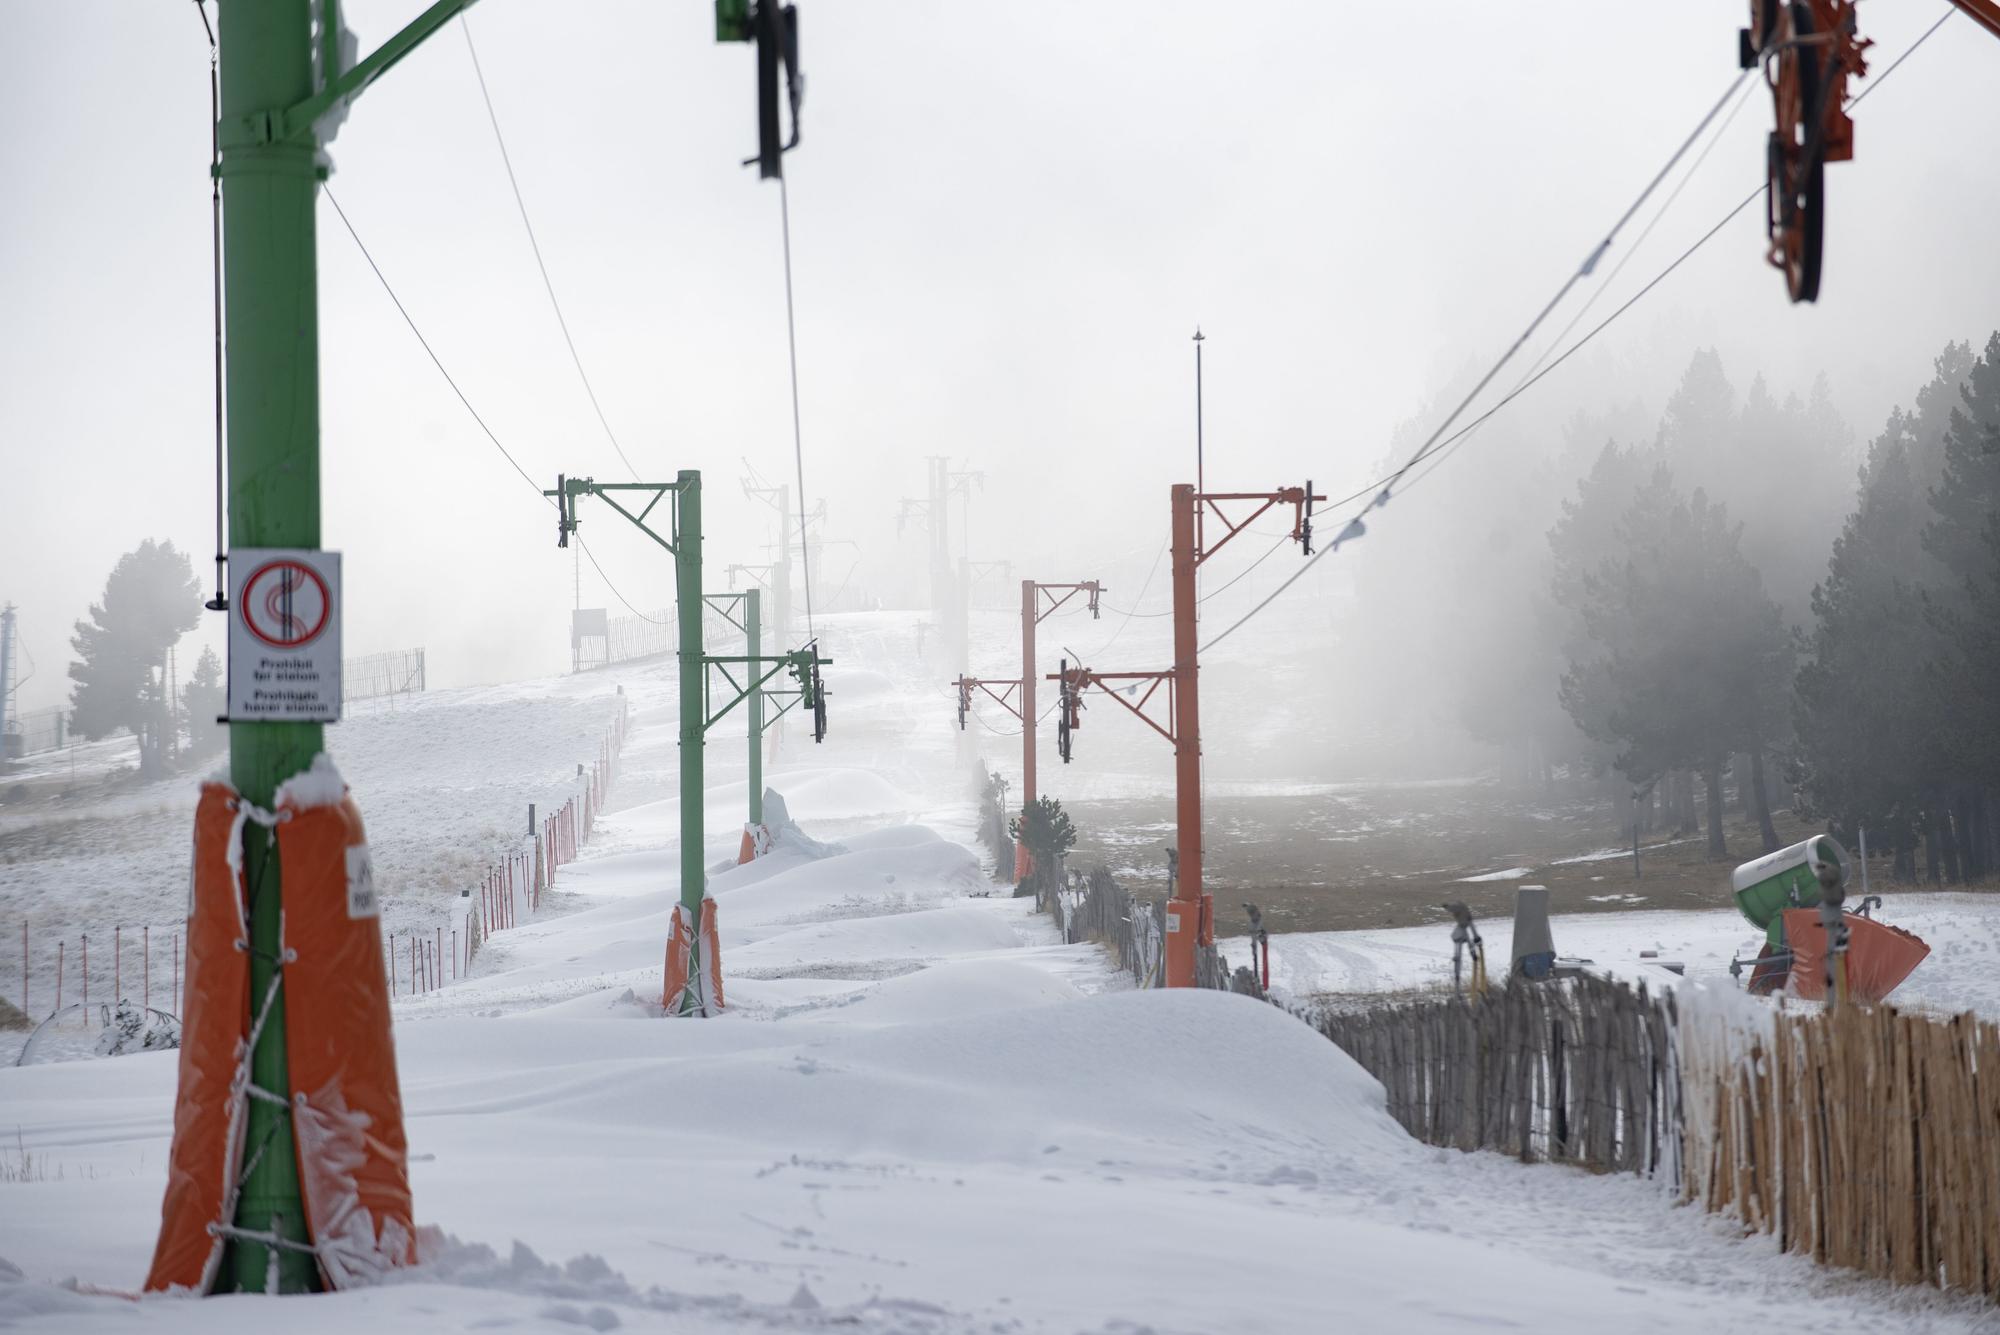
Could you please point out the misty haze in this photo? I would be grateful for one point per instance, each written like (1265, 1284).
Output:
(1110, 668)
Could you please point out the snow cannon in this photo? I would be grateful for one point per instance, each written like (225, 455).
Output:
(1790, 878)
(1795, 896)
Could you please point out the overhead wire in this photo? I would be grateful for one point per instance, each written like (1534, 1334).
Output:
(1445, 450)
(221, 599)
(1150, 572)
(798, 446)
(1221, 589)
(1439, 441)
(548, 284)
(431, 352)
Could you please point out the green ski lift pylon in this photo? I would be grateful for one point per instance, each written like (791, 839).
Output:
(802, 664)
(268, 159)
(682, 540)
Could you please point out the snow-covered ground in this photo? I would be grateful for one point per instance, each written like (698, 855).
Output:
(921, 1114)
(444, 781)
(1961, 973)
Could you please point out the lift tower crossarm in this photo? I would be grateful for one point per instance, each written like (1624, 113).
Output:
(295, 123)
(568, 490)
(1048, 592)
(1299, 498)
(1009, 686)
(1077, 680)
(799, 662)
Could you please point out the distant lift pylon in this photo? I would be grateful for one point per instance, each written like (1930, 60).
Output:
(1191, 912)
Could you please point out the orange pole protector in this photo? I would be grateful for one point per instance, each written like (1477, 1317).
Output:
(347, 1104)
(707, 989)
(207, 1150)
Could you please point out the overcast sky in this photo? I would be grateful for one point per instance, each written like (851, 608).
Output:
(1008, 219)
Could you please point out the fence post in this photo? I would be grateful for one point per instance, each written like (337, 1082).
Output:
(24, 966)
(86, 968)
(146, 963)
(59, 974)
(174, 948)
(117, 964)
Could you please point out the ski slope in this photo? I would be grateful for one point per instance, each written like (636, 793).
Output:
(1962, 972)
(921, 1114)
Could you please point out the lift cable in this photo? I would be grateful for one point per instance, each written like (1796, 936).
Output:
(798, 447)
(474, 412)
(1854, 102)
(403, 311)
(1459, 439)
(1279, 541)
(1380, 487)
(1438, 440)
(1154, 569)
(221, 600)
(548, 284)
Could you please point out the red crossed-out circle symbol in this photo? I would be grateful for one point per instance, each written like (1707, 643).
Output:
(286, 604)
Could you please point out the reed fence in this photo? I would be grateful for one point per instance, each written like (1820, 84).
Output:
(1862, 1136)
(1579, 1071)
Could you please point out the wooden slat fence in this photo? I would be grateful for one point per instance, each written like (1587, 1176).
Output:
(1578, 1071)
(1864, 1137)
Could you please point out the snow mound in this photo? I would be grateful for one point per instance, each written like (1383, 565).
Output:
(838, 793)
(953, 990)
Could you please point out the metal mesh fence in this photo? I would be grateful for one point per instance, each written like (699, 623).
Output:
(37, 730)
(373, 676)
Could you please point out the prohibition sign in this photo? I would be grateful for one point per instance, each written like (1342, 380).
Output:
(286, 604)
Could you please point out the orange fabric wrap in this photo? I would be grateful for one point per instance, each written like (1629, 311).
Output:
(208, 1117)
(680, 961)
(1879, 957)
(347, 1104)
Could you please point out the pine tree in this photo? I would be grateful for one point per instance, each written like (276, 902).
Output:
(150, 600)
(1048, 833)
(1964, 537)
(1692, 658)
(205, 702)
(1883, 700)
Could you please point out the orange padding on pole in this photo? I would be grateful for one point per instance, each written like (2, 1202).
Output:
(1024, 863)
(207, 1149)
(347, 1105)
(1879, 957)
(704, 997)
(749, 849)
